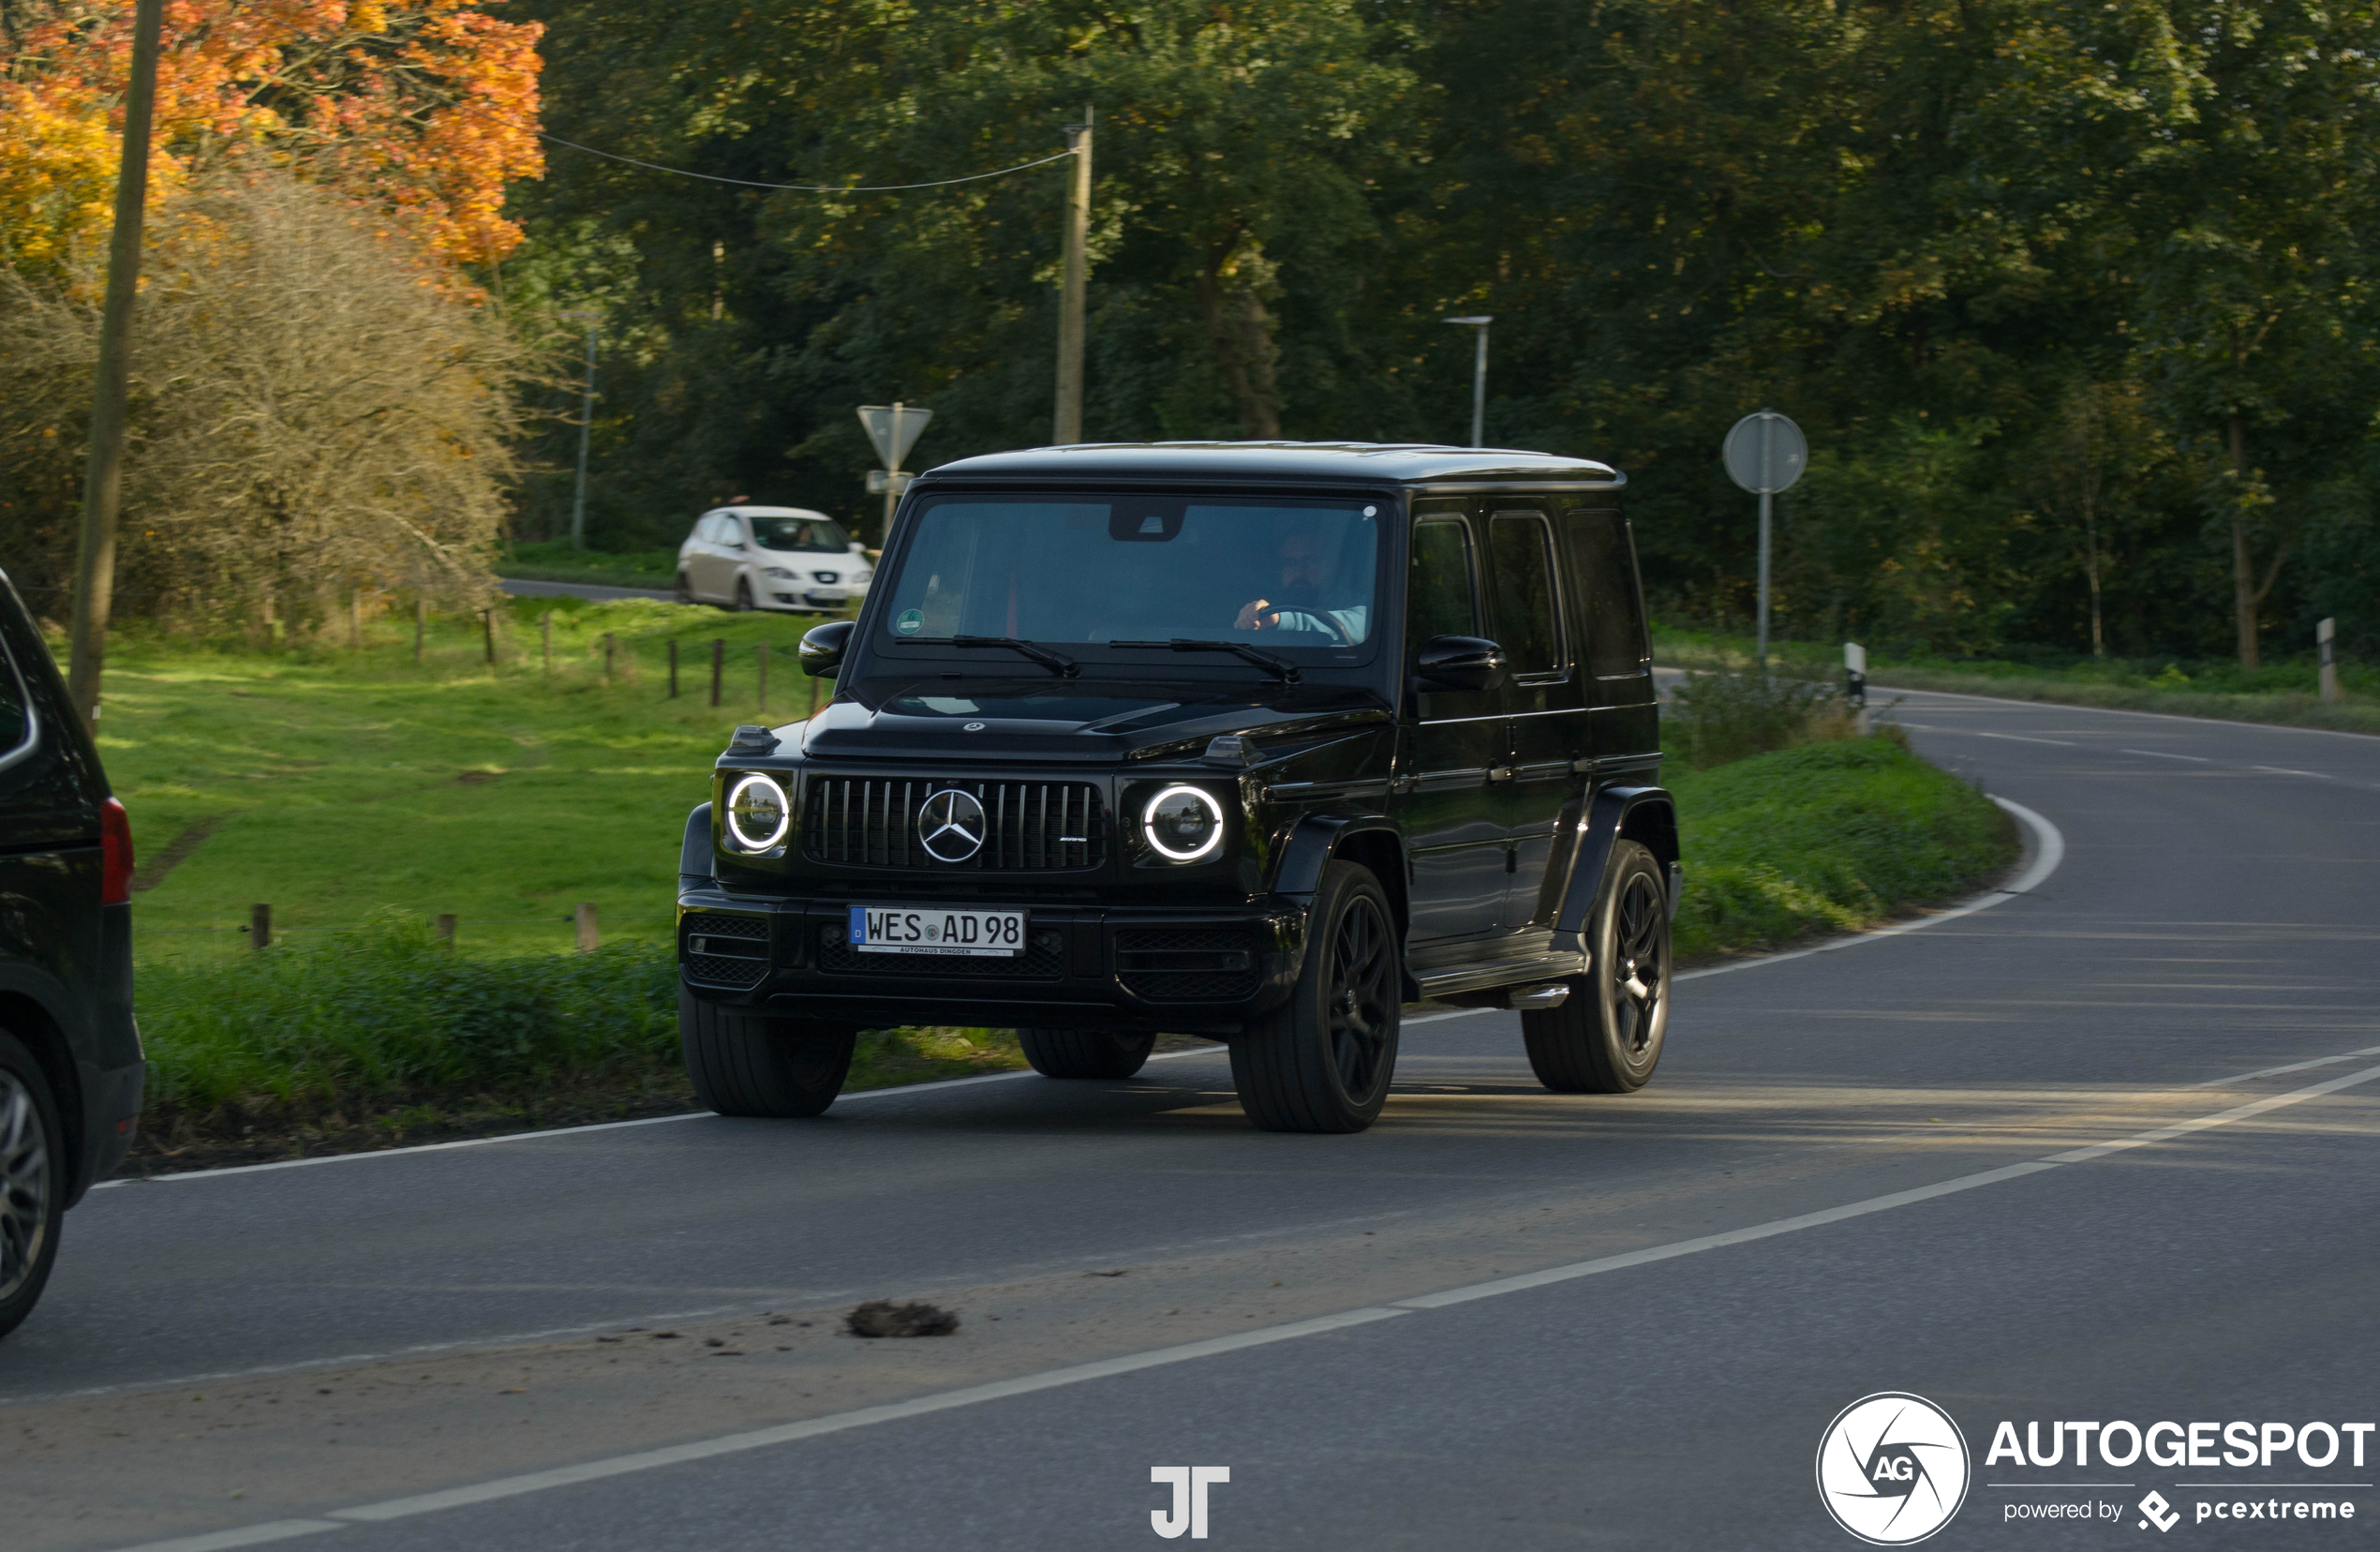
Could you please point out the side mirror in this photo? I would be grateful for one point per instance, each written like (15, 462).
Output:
(822, 648)
(1460, 663)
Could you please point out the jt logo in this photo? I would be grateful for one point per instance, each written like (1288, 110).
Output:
(1190, 1484)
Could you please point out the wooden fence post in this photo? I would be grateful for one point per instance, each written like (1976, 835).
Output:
(421, 625)
(260, 926)
(546, 638)
(355, 618)
(487, 623)
(446, 930)
(761, 653)
(672, 668)
(718, 666)
(588, 938)
(609, 644)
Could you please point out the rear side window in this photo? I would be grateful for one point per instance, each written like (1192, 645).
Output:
(1442, 598)
(1603, 575)
(1528, 621)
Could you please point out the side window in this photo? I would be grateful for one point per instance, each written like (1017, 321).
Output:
(16, 722)
(1442, 596)
(1603, 573)
(1528, 620)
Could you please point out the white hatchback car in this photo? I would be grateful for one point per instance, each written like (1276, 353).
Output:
(771, 557)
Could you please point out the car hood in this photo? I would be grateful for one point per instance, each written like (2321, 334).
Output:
(1043, 721)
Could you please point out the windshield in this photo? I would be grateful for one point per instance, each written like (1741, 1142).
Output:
(1285, 575)
(812, 536)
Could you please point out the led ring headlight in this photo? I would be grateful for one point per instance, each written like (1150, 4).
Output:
(1183, 823)
(758, 812)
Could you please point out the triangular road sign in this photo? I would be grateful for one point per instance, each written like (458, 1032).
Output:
(893, 428)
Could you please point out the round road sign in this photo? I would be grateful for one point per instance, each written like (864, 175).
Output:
(1765, 453)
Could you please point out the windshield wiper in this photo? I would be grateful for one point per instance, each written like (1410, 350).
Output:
(1064, 667)
(1288, 671)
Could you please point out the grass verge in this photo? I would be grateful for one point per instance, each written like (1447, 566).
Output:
(554, 560)
(2281, 693)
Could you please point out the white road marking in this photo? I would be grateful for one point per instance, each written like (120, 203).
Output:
(646, 1460)
(2285, 770)
(2118, 711)
(2161, 755)
(2013, 738)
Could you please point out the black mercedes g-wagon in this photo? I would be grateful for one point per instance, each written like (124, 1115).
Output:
(1256, 741)
(71, 1064)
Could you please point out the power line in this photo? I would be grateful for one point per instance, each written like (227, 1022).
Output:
(806, 188)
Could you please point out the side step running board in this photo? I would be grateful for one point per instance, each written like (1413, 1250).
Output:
(1480, 978)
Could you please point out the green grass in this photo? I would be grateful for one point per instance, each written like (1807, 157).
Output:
(554, 560)
(334, 783)
(1828, 837)
(2284, 693)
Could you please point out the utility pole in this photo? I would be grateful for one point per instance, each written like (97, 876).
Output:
(103, 476)
(1478, 378)
(586, 426)
(1071, 326)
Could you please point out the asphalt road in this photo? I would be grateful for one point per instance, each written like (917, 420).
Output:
(1836, 1186)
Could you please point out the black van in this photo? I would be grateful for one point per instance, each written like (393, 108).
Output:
(1256, 741)
(70, 1064)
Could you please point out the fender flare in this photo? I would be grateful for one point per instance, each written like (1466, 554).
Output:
(1647, 814)
(694, 850)
(1314, 841)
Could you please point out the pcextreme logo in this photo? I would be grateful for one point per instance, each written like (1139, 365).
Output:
(1892, 1469)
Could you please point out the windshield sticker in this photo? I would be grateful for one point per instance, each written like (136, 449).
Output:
(910, 622)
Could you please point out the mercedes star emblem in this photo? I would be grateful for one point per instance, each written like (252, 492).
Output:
(950, 825)
(972, 727)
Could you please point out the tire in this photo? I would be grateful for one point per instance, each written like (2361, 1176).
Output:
(744, 1065)
(1085, 1053)
(1606, 1038)
(33, 1182)
(1323, 1061)
(684, 591)
(743, 595)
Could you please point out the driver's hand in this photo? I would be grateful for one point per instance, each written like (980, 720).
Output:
(1257, 616)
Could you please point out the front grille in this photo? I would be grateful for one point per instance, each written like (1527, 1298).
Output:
(871, 822)
(743, 944)
(1044, 959)
(1187, 963)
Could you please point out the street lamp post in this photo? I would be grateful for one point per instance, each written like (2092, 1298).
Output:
(1478, 378)
(585, 425)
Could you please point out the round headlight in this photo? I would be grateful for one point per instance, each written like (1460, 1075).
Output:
(758, 812)
(1183, 823)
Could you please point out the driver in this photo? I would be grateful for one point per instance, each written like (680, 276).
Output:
(1297, 602)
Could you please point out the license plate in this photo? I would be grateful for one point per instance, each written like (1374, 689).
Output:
(936, 930)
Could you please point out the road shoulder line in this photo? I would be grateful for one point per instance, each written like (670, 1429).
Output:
(595, 1470)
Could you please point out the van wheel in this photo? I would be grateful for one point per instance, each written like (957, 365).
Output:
(743, 595)
(33, 1182)
(1085, 1053)
(1606, 1036)
(1321, 1063)
(745, 1066)
(684, 591)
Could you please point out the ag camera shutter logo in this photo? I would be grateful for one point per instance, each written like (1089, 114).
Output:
(1893, 1468)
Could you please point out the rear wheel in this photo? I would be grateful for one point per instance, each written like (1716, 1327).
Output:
(1322, 1062)
(1606, 1036)
(33, 1182)
(1085, 1053)
(745, 1066)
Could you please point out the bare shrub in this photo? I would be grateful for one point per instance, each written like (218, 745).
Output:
(1720, 717)
(313, 412)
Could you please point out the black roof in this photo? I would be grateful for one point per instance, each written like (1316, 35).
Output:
(1277, 462)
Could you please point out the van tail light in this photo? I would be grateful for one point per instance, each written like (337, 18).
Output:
(115, 854)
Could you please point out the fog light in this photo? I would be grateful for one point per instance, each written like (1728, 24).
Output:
(758, 812)
(1183, 823)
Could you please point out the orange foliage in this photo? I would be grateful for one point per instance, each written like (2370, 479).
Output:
(425, 108)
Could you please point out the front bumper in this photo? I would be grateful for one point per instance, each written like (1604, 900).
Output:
(811, 595)
(1192, 971)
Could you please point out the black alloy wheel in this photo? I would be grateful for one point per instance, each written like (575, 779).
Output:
(1606, 1038)
(33, 1182)
(743, 594)
(1085, 1053)
(745, 1066)
(1324, 1060)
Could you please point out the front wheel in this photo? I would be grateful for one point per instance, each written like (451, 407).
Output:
(1321, 1063)
(33, 1182)
(1085, 1053)
(745, 1066)
(684, 591)
(1606, 1036)
(743, 595)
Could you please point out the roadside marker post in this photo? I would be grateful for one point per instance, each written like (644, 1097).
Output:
(2325, 644)
(1764, 453)
(1855, 682)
